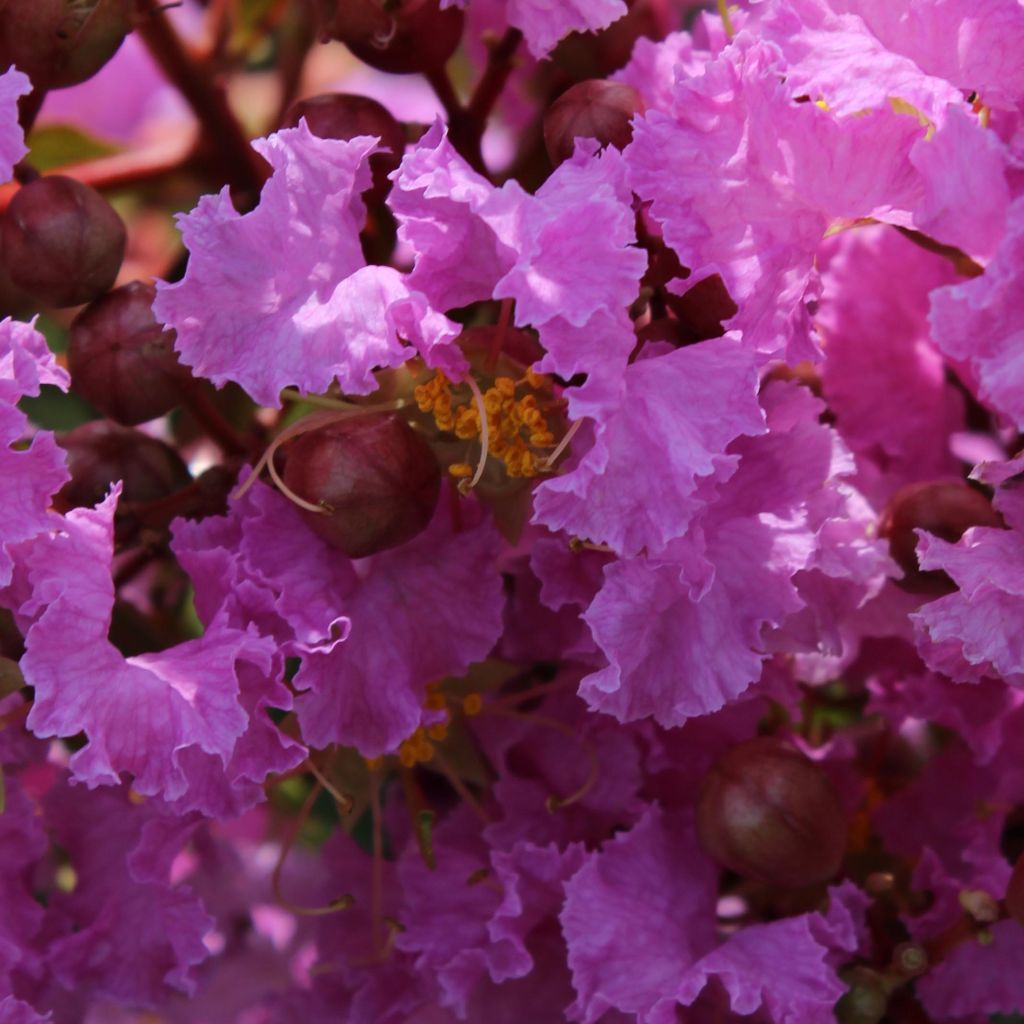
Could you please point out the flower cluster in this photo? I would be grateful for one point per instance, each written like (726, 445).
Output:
(542, 539)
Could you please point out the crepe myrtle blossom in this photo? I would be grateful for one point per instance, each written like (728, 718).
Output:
(588, 590)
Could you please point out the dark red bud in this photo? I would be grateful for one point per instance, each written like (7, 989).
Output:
(768, 812)
(945, 508)
(400, 36)
(61, 42)
(377, 476)
(62, 241)
(1015, 892)
(343, 116)
(100, 453)
(597, 54)
(123, 361)
(595, 109)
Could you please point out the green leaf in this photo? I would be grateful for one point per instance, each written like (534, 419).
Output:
(58, 145)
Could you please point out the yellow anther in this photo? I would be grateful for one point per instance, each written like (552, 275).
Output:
(506, 386)
(438, 731)
(373, 763)
(460, 470)
(536, 381)
(424, 750)
(472, 704)
(544, 439)
(406, 755)
(492, 401)
(528, 464)
(528, 402)
(435, 701)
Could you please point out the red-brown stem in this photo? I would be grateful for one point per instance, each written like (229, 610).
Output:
(492, 82)
(123, 169)
(210, 419)
(462, 131)
(240, 164)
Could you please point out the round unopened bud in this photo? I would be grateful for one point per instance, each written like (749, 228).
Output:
(100, 453)
(866, 1000)
(595, 109)
(123, 361)
(945, 508)
(344, 116)
(768, 812)
(400, 36)
(62, 241)
(1015, 892)
(374, 475)
(61, 42)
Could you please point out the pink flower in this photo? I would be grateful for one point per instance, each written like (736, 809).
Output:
(154, 715)
(281, 296)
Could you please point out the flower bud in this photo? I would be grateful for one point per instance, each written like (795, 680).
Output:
(400, 36)
(344, 116)
(100, 453)
(62, 241)
(61, 42)
(591, 110)
(1015, 892)
(374, 474)
(123, 361)
(945, 508)
(768, 812)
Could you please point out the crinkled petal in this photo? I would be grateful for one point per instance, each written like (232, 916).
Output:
(637, 914)
(13, 84)
(437, 199)
(574, 244)
(784, 967)
(424, 610)
(976, 978)
(981, 322)
(756, 180)
(882, 377)
(127, 939)
(280, 296)
(637, 486)
(34, 474)
(138, 713)
(544, 22)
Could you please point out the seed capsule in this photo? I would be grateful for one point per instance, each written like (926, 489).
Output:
(123, 361)
(946, 508)
(101, 453)
(400, 36)
(374, 474)
(59, 43)
(768, 812)
(595, 109)
(62, 241)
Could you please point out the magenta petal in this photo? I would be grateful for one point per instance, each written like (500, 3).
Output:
(544, 24)
(637, 486)
(30, 475)
(638, 913)
(424, 610)
(138, 713)
(13, 84)
(981, 322)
